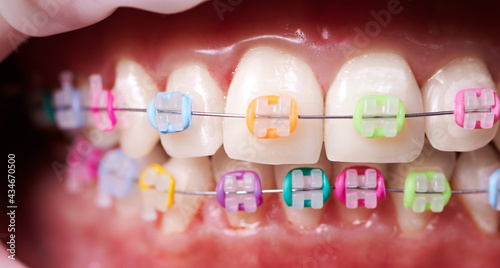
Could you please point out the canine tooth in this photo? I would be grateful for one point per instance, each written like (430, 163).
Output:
(204, 135)
(473, 171)
(222, 164)
(439, 95)
(266, 71)
(134, 88)
(194, 174)
(361, 214)
(376, 73)
(430, 159)
(306, 217)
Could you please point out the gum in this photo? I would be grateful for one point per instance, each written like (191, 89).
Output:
(319, 34)
(111, 240)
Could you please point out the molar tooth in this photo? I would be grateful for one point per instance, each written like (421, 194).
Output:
(265, 71)
(361, 214)
(136, 89)
(191, 174)
(473, 171)
(204, 135)
(222, 164)
(439, 95)
(430, 159)
(376, 73)
(306, 217)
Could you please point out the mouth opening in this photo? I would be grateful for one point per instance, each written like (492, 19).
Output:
(291, 58)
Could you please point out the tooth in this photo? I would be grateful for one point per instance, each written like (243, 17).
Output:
(439, 95)
(265, 71)
(193, 174)
(222, 164)
(204, 135)
(430, 159)
(101, 139)
(376, 73)
(130, 205)
(95, 136)
(306, 217)
(134, 88)
(472, 172)
(361, 214)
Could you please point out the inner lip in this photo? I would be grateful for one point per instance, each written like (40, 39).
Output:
(301, 33)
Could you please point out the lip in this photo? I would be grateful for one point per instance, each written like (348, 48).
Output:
(59, 223)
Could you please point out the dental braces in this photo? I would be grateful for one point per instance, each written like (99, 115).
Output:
(241, 189)
(267, 117)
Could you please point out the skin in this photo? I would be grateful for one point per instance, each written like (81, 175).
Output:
(53, 223)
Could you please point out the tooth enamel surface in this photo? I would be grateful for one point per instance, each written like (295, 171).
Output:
(97, 137)
(307, 217)
(381, 74)
(102, 139)
(439, 95)
(204, 135)
(194, 174)
(134, 88)
(130, 205)
(361, 214)
(222, 164)
(430, 159)
(473, 171)
(266, 71)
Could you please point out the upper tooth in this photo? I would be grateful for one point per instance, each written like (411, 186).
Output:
(306, 217)
(134, 88)
(222, 164)
(204, 135)
(439, 95)
(97, 137)
(191, 174)
(472, 172)
(265, 71)
(429, 160)
(377, 73)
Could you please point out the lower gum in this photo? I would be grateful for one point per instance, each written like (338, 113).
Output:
(104, 237)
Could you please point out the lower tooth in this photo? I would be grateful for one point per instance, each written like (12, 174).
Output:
(430, 159)
(222, 164)
(130, 205)
(194, 174)
(361, 214)
(306, 217)
(473, 171)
